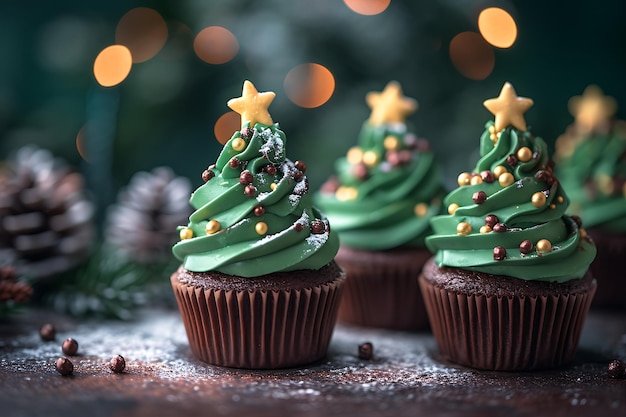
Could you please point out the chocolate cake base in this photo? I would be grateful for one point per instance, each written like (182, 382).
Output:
(606, 268)
(381, 288)
(502, 323)
(273, 321)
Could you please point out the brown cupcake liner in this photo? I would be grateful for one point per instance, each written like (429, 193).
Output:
(381, 289)
(503, 333)
(259, 329)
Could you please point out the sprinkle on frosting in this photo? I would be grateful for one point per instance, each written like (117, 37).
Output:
(508, 108)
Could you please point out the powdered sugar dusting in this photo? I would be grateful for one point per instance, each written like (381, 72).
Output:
(272, 143)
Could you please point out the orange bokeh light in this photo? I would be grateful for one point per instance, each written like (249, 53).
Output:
(80, 144)
(215, 45)
(143, 31)
(471, 55)
(367, 7)
(309, 85)
(226, 125)
(497, 27)
(112, 65)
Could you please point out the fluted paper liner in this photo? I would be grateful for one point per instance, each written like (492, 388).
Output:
(259, 329)
(381, 289)
(506, 333)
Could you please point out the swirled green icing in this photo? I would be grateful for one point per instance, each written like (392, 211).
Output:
(385, 202)
(270, 228)
(512, 204)
(592, 167)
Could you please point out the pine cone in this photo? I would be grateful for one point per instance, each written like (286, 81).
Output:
(45, 219)
(142, 225)
(10, 289)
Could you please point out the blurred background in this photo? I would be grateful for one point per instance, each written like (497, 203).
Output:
(111, 114)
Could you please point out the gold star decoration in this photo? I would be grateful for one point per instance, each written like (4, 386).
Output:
(252, 105)
(508, 108)
(390, 106)
(593, 109)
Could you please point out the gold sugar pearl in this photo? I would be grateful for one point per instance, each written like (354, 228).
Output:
(370, 158)
(524, 154)
(463, 229)
(346, 193)
(464, 178)
(538, 199)
(238, 144)
(552, 206)
(452, 208)
(476, 179)
(261, 228)
(492, 129)
(485, 229)
(543, 246)
(624, 189)
(499, 170)
(559, 199)
(355, 155)
(186, 233)
(494, 138)
(273, 186)
(391, 143)
(421, 209)
(583, 233)
(506, 179)
(213, 226)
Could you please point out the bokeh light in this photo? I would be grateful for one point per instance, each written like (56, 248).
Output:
(215, 45)
(143, 31)
(497, 27)
(309, 85)
(80, 144)
(112, 65)
(471, 55)
(226, 125)
(367, 7)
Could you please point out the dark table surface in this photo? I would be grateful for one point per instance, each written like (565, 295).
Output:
(404, 378)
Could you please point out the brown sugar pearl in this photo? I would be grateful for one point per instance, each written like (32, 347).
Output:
(526, 246)
(300, 165)
(479, 197)
(270, 169)
(577, 220)
(246, 177)
(318, 227)
(70, 347)
(250, 190)
(360, 171)
(259, 211)
(298, 176)
(47, 332)
(298, 227)
(491, 220)
(616, 369)
(499, 227)
(511, 160)
(117, 364)
(247, 133)
(207, 175)
(366, 351)
(234, 162)
(64, 366)
(487, 176)
(499, 253)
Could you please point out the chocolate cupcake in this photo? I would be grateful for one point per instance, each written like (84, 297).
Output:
(258, 287)
(385, 191)
(509, 286)
(591, 163)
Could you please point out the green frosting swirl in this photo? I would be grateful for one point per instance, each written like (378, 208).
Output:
(513, 205)
(592, 167)
(266, 219)
(385, 191)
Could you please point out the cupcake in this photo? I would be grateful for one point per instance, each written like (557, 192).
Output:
(379, 202)
(509, 286)
(258, 287)
(591, 163)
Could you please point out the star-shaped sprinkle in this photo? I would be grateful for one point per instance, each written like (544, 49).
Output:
(593, 109)
(252, 105)
(508, 108)
(390, 106)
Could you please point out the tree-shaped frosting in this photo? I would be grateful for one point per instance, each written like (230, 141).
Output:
(254, 215)
(591, 157)
(387, 187)
(508, 215)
